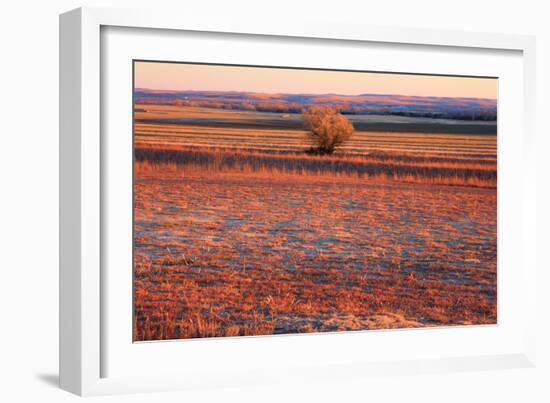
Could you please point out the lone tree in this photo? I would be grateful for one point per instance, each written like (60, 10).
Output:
(327, 128)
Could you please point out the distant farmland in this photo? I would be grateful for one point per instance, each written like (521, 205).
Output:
(478, 109)
(238, 231)
(237, 140)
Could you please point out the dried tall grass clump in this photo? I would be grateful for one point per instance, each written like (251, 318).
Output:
(327, 128)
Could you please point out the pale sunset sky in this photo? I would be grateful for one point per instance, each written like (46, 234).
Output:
(179, 76)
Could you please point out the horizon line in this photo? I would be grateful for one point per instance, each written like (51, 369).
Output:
(314, 94)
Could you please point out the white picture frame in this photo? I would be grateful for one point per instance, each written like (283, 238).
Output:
(83, 309)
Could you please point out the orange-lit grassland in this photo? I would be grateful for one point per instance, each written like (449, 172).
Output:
(239, 232)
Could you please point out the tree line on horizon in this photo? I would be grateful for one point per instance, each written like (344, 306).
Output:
(470, 111)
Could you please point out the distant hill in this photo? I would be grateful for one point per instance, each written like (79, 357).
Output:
(477, 109)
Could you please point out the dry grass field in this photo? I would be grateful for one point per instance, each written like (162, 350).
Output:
(237, 231)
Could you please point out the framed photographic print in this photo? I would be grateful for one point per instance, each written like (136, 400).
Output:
(270, 200)
(240, 203)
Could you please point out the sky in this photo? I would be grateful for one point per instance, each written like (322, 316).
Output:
(180, 76)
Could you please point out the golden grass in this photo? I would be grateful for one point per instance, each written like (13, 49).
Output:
(370, 169)
(238, 232)
(230, 255)
(207, 127)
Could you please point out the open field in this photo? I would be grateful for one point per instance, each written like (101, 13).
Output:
(213, 138)
(238, 232)
(275, 131)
